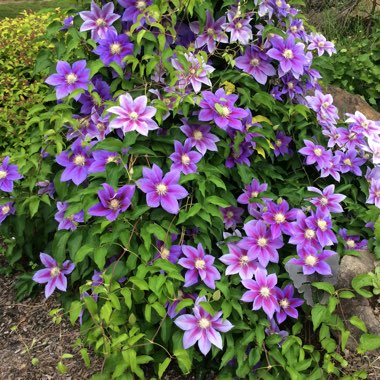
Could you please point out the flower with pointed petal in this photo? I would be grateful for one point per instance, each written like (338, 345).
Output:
(287, 303)
(68, 222)
(8, 174)
(328, 201)
(6, 209)
(184, 159)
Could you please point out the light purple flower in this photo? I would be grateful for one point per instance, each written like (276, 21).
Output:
(240, 29)
(112, 203)
(67, 222)
(332, 169)
(69, 78)
(239, 262)
(302, 234)
(320, 222)
(313, 261)
(262, 292)
(184, 159)
(231, 216)
(211, 34)
(202, 328)
(133, 115)
(199, 136)
(162, 190)
(315, 154)
(220, 108)
(252, 191)
(198, 264)
(328, 200)
(255, 62)
(287, 303)
(6, 209)
(360, 124)
(319, 42)
(8, 174)
(53, 275)
(259, 243)
(374, 193)
(99, 20)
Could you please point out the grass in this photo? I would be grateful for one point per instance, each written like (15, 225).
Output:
(11, 8)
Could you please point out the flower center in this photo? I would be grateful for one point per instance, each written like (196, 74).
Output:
(351, 243)
(265, 291)
(284, 303)
(115, 48)
(377, 193)
(100, 127)
(347, 162)
(224, 111)
(352, 136)
(230, 215)
(254, 62)
(111, 159)
(200, 264)
(161, 189)
(164, 253)
(278, 142)
(290, 85)
(5, 210)
(294, 28)
(114, 204)
(55, 272)
(185, 159)
(365, 124)
(204, 323)
(309, 234)
(210, 31)
(321, 44)
(198, 135)
(318, 152)
(322, 224)
(3, 174)
(325, 105)
(101, 22)
(311, 260)
(279, 218)
(288, 54)
(262, 242)
(71, 78)
(238, 25)
(140, 5)
(192, 71)
(279, 3)
(244, 260)
(133, 115)
(79, 160)
(254, 194)
(324, 201)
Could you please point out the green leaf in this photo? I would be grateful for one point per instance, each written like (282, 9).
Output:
(218, 201)
(184, 303)
(183, 359)
(85, 357)
(100, 255)
(82, 253)
(359, 282)
(162, 367)
(106, 311)
(327, 287)
(141, 284)
(75, 309)
(368, 342)
(346, 294)
(318, 315)
(357, 322)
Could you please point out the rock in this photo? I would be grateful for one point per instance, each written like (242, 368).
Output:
(351, 266)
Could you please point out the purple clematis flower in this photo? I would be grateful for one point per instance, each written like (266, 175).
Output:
(198, 264)
(290, 54)
(255, 62)
(240, 156)
(162, 190)
(274, 329)
(240, 29)
(112, 203)
(101, 159)
(46, 187)
(8, 174)
(262, 292)
(287, 303)
(321, 223)
(199, 136)
(231, 216)
(114, 48)
(281, 144)
(220, 108)
(332, 169)
(89, 104)
(184, 159)
(313, 261)
(328, 201)
(98, 20)
(360, 124)
(352, 241)
(68, 222)
(350, 162)
(171, 254)
(315, 154)
(319, 42)
(259, 243)
(134, 8)
(322, 104)
(53, 275)
(69, 78)
(6, 209)
(202, 328)
(239, 262)
(374, 193)
(76, 163)
(302, 234)
(250, 192)
(133, 115)
(211, 34)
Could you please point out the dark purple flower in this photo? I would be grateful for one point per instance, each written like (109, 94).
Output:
(68, 22)
(53, 275)
(99, 20)
(133, 115)
(262, 292)
(199, 264)
(171, 254)
(67, 222)
(133, 9)
(315, 154)
(46, 187)
(211, 34)
(328, 200)
(184, 159)
(8, 174)
(259, 243)
(112, 203)
(239, 262)
(185, 36)
(202, 328)
(162, 190)
(199, 136)
(352, 241)
(6, 209)
(220, 108)
(287, 303)
(240, 29)
(281, 144)
(231, 216)
(171, 306)
(290, 55)
(240, 156)
(255, 62)
(69, 78)
(102, 89)
(101, 159)
(313, 261)
(274, 329)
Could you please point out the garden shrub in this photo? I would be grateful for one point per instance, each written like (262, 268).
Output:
(196, 187)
